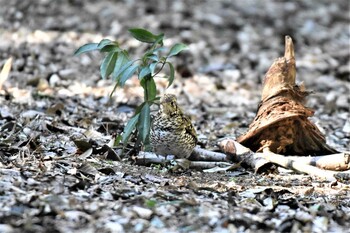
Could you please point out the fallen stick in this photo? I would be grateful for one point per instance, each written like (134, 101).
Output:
(297, 166)
(334, 162)
(240, 153)
(148, 158)
(200, 165)
(200, 154)
(286, 162)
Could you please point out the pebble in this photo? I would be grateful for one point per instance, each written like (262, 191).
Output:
(85, 60)
(343, 101)
(339, 134)
(54, 80)
(346, 128)
(142, 212)
(114, 227)
(6, 228)
(66, 73)
(31, 114)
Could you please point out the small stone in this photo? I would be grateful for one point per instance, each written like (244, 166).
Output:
(31, 114)
(157, 222)
(346, 128)
(6, 228)
(66, 73)
(43, 84)
(18, 64)
(343, 102)
(44, 59)
(214, 19)
(54, 80)
(114, 227)
(142, 212)
(339, 134)
(85, 60)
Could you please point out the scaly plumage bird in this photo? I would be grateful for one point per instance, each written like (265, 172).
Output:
(172, 132)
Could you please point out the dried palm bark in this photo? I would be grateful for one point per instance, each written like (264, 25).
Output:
(281, 123)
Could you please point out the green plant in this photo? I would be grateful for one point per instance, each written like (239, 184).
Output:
(117, 65)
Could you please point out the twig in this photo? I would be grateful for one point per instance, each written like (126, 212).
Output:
(200, 165)
(200, 154)
(148, 158)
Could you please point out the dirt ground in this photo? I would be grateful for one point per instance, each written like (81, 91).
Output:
(54, 104)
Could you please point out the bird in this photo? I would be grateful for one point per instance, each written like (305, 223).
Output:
(172, 132)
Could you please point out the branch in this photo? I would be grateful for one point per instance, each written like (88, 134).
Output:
(148, 158)
(297, 166)
(334, 162)
(200, 154)
(239, 153)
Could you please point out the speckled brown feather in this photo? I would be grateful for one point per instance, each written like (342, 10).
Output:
(172, 132)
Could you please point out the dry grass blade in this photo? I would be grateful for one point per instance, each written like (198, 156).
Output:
(5, 71)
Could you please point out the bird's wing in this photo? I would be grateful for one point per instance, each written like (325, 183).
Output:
(188, 126)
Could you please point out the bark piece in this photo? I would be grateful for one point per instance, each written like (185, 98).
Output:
(281, 123)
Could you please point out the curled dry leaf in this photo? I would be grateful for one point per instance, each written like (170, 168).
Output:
(281, 123)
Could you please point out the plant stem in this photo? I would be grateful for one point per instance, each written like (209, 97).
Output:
(160, 69)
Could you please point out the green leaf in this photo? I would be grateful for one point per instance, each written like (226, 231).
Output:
(153, 66)
(160, 49)
(121, 71)
(143, 35)
(139, 108)
(150, 203)
(152, 54)
(86, 48)
(108, 64)
(144, 72)
(144, 125)
(159, 40)
(150, 88)
(110, 48)
(172, 74)
(104, 43)
(117, 140)
(127, 73)
(121, 64)
(177, 48)
(130, 126)
(153, 57)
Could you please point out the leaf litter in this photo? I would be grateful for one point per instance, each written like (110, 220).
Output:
(59, 171)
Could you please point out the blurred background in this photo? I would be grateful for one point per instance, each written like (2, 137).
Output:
(231, 46)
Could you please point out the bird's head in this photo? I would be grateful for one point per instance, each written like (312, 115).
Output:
(168, 105)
